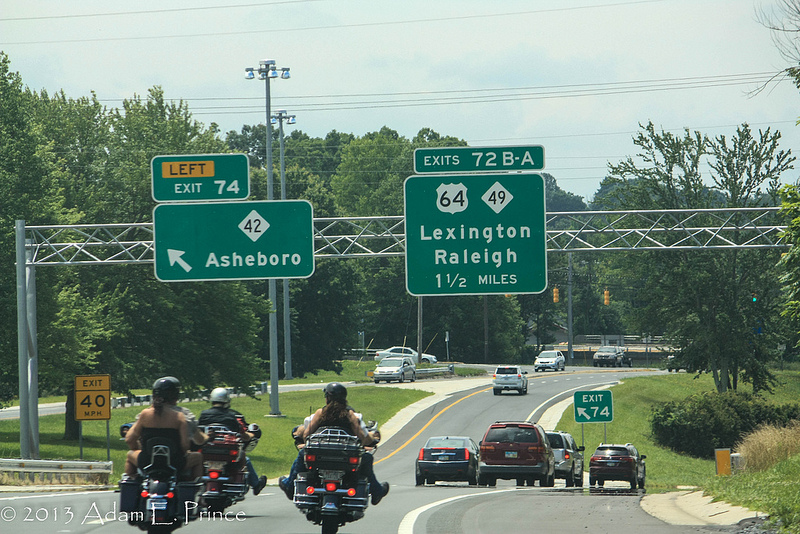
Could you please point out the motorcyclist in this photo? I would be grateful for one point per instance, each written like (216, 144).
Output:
(222, 414)
(337, 413)
(160, 415)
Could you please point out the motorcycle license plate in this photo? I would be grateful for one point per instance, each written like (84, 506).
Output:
(511, 454)
(157, 504)
(330, 475)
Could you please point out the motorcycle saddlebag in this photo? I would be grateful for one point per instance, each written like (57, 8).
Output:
(129, 490)
(188, 496)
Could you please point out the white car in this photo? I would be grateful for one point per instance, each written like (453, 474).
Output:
(549, 359)
(508, 377)
(405, 351)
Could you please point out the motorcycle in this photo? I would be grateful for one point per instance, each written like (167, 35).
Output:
(225, 478)
(156, 501)
(332, 491)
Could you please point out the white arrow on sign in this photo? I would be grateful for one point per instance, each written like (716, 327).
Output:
(175, 257)
(582, 413)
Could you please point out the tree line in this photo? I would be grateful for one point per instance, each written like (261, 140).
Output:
(72, 160)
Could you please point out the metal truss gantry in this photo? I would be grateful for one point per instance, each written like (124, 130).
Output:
(384, 236)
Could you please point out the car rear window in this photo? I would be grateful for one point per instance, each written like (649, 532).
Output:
(438, 443)
(506, 371)
(612, 451)
(556, 441)
(512, 434)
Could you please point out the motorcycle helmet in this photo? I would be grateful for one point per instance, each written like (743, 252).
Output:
(168, 388)
(335, 391)
(221, 396)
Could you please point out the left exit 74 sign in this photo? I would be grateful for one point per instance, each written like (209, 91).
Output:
(198, 177)
(92, 397)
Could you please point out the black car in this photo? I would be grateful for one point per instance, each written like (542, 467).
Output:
(448, 458)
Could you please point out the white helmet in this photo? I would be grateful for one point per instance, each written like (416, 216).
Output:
(220, 395)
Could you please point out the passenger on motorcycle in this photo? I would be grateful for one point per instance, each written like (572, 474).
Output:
(166, 392)
(222, 414)
(336, 413)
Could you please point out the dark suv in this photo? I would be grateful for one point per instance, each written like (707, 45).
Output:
(516, 450)
(617, 462)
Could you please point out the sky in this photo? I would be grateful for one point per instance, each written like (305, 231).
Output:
(574, 76)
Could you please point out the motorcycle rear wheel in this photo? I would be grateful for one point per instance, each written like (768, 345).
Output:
(330, 525)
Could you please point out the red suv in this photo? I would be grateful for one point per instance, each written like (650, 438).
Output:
(516, 450)
(617, 462)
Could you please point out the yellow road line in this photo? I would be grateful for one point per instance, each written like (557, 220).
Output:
(412, 438)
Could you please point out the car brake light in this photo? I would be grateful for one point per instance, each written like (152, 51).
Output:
(536, 448)
(487, 448)
(566, 456)
(351, 492)
(494, 376)
(330, 486)
(421, 454)
(519, 376)
(594, 459)
(466, 454)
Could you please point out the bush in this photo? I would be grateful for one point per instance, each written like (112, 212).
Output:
(701, 423)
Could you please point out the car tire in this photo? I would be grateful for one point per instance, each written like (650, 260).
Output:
(472, 479)
(569, 481)
(641, 483)
(592, 481)
(430, 481)
(482, 480)
(579, 480)
(496, 391)
(420, 480)
(413, 377)
(520, 482)
(600, 482)
(491, 482)
(633, 484)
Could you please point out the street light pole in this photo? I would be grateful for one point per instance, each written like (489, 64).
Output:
(267, 70)
(279, 117)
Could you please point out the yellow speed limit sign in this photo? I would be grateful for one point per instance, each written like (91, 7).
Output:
(92, 397)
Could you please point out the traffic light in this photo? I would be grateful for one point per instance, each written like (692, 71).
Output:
(755, 297)
(606, 297)
(555, 294)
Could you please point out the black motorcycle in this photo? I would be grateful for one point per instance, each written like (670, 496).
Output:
(332, 491)
(225, 479)
(156, 501)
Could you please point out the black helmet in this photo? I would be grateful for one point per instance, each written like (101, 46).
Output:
(167, 387)
(335, 391)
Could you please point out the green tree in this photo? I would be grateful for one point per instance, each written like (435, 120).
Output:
(703, 300)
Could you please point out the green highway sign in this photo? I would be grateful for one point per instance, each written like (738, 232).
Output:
(475, 234)
(478, 159)
(200, 177)
(593, 406)
(233, 240)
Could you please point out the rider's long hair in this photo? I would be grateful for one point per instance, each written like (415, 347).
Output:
(334, 410)
(158, 404)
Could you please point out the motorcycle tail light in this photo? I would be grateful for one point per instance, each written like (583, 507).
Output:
(353, 460)
(310, 490)
(170, 495)
(213, 475)
(311, 457)
(145, 494)
(330, 486)
(351, 492)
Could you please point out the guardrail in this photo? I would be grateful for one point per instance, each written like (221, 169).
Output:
(431, 371)
(57, 471)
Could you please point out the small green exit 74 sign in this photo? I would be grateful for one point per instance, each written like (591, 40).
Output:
(593, 406)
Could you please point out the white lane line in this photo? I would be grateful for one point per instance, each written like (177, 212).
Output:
(407, 524)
